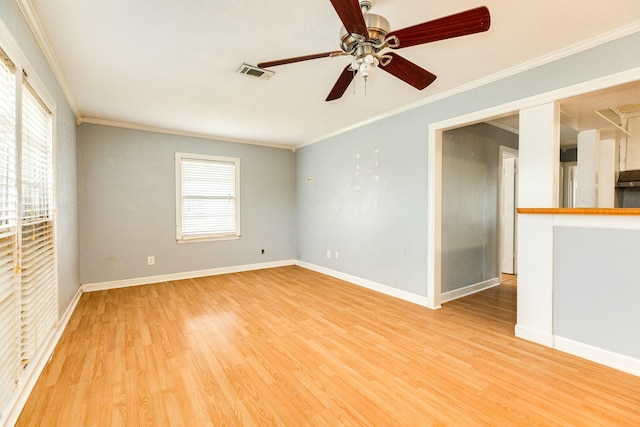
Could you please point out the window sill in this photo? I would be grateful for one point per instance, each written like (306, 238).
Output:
(208, 238)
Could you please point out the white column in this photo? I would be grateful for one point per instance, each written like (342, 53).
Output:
(588, 153)
(606, 173)
(539, 157)
(538, 181)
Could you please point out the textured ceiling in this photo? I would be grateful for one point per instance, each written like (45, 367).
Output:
(172, 64)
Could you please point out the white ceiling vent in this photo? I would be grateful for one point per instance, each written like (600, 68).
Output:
(252, 71)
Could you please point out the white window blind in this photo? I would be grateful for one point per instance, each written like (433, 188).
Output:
(39, 288)
(207, 197)
(9, 285)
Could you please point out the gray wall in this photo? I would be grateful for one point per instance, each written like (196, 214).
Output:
(381, 228)
(597, 288)
(128, 205)
(65, 156)
(470, 174)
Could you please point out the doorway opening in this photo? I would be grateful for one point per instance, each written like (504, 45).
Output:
(474, 223)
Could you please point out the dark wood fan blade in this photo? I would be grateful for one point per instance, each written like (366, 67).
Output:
(342, 84)
(350, 14)
(300, 59)
(408, 71)
(460, 24)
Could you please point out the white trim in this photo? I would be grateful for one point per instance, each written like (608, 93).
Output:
(534, 336)
(138, 281)
(374, 286)
(434, 218)
(520, 68)
(598, 355)
(43, 41)
(506, 152)
(145, 128)
(468, 290)
(28, 381)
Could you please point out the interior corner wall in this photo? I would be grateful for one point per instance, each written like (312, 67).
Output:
(379, 227)
(65, 140)
(128, 205)
(470, 180)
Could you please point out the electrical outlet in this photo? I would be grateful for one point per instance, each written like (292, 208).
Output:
(151, 260)
(337, 254)
(329, 254)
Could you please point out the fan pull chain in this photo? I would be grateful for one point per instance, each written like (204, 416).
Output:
(354, 81)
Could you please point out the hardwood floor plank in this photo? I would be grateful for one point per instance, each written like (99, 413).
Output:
(287, 346)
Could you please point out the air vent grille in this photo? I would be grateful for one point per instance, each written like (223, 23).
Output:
(252, 71)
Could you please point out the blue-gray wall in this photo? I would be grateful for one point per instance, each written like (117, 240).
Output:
(380, 227)
(128, 205)
(361, 194)
(597, 288)
(470, 179)
(65, 156)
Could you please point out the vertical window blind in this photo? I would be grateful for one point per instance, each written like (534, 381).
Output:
(208, 197)
(28, 279)
(9, 289)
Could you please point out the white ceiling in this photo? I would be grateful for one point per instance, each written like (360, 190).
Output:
(172, 64)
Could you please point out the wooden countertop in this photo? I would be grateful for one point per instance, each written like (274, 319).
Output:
(580, 211)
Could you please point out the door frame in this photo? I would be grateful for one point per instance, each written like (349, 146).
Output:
(507, 153)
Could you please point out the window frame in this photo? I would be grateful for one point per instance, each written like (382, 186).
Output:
(180, 236)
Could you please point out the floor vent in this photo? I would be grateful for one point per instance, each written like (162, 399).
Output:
(252, 71)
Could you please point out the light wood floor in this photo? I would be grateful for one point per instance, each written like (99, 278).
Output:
(290, 347)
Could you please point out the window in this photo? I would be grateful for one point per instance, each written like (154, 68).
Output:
(28, 278)
(208, 197)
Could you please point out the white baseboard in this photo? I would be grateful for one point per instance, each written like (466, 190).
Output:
(468, 290)
(374, 286)
(598, 355)
(31, 374)
(137, 281)
(534, 335)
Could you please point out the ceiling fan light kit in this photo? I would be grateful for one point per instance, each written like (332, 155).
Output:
(365, 35)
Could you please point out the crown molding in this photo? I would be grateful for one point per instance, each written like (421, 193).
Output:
(43, 41)
(133, 126)
(503, 126)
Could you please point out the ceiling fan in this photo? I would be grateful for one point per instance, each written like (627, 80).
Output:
(364, 36)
